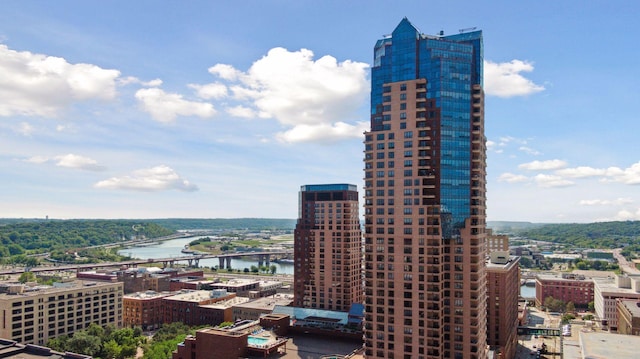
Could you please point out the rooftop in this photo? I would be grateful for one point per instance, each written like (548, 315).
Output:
(13, 350)
(10, 290)
(268, 303)
(607, 345)
(633, 306)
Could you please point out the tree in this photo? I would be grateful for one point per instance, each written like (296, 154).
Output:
(27, 277)
(591, 306)
(254, 269)
(273, 269)
(83, 343)
(570, 308)
(526, 262)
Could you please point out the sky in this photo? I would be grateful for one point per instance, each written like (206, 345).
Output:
(223, 109)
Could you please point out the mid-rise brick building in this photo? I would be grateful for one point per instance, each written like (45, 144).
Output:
(503, 284)
(566, 287)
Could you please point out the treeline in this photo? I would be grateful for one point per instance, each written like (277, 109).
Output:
(600, 235)
(252, 224)
(29, 237)
(99, 342)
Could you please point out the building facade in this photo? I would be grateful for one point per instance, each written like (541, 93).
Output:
(144, 310)
(496, 242)
(606, 294)
(567, 287)
(35, 314)
(629, 317)
(425, 160)
(328, 248)
(503, 287)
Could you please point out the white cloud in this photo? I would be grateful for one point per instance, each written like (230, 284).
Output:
(505, 79)
(302, 94)
(529, 151)
(543, 165)
(68, 161)
(629, 175)
(210, 91)
(39, 85)
(134, 80)
(323, 132)
(512, 178)
(605, 202)
(581, 172)
(627, 215)
(165, 107)
(159, 178)
(226, 72)
(37, 159)
(75, 161)
(25, 129)
(549, 181)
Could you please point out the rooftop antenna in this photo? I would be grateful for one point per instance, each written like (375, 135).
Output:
(467, 29)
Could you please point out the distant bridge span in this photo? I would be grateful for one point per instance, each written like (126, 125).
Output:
(193, 260)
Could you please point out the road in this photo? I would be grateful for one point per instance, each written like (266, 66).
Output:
(625, 266)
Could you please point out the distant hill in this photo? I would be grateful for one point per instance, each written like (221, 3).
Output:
(509, 226)
(252, 224)
(584, 235)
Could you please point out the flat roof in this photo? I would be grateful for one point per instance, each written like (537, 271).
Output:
(38, 289)
(633, 306)
(11, 349)
(609, 285)
(608, 345)
(267, 303)
(191, 296)
(149, 294)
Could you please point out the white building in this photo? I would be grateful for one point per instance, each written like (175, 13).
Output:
(606, 291)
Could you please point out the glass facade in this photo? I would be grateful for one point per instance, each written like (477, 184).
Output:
(451, 65)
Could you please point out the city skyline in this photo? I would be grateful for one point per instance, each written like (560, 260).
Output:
(150, 110)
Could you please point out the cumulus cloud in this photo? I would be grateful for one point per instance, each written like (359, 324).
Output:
(627, 215)
(629, 175)
(529, 151)
(605, 202)
(549, 181)
(165, 107)
(512, 178)
(210, 91)
(40, 85)
(543, 165)
(134, 80)
(68, 161)
(75, 161)
(303, 94)
(322, 132)
(159, 178)
(506, 80)
(25, 129)
(581, 172)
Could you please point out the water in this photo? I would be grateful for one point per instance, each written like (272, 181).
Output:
(173, 247)
(527, 292)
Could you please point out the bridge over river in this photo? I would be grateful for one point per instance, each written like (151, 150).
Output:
(193, 260)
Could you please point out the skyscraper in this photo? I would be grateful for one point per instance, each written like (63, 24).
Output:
(328, 248)
(425, 291)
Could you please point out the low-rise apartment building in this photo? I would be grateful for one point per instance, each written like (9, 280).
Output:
(33, 314)
(566, 287)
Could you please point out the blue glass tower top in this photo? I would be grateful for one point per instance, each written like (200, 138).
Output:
(452, 66)
(408, 54)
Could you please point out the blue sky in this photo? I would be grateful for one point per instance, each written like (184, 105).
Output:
(153, 109)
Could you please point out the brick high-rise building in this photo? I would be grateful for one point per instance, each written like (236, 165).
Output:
(425, 160)
(503, 288)
(328, 248)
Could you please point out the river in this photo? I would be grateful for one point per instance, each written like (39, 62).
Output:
(172, 248)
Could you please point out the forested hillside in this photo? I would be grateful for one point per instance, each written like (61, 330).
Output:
(587, 235)
(253, 224)
(48, 235)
